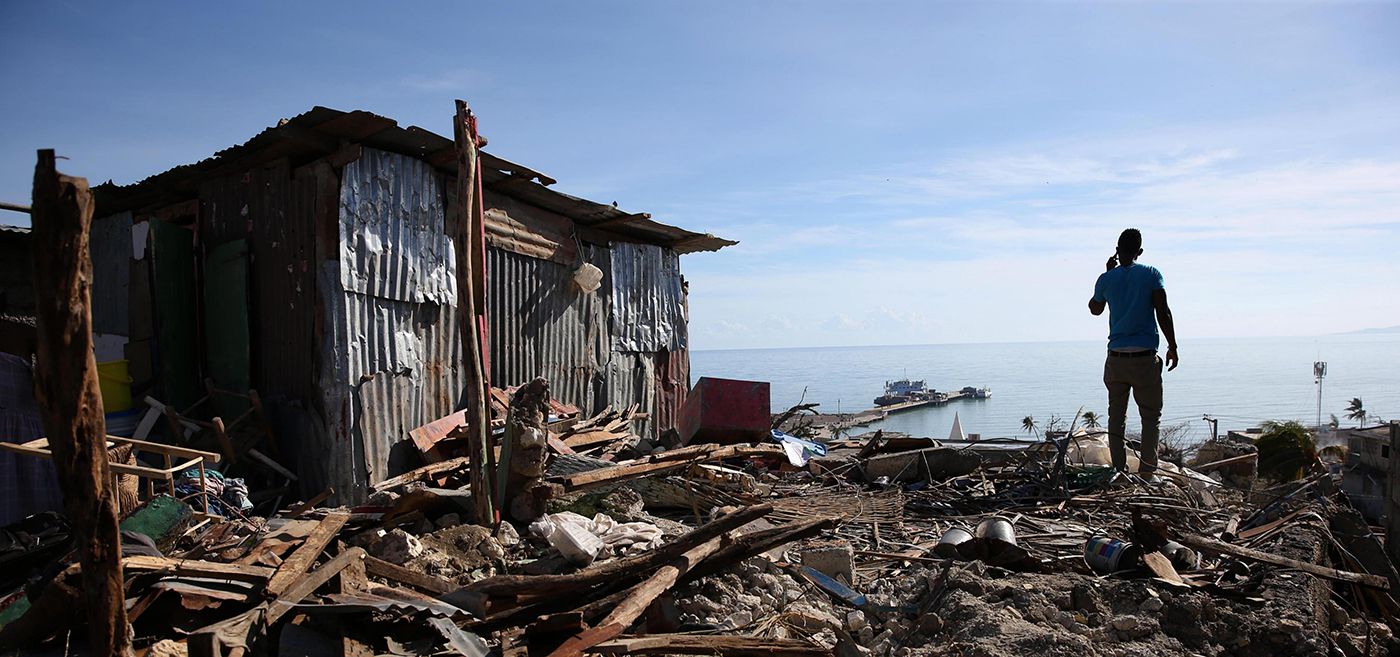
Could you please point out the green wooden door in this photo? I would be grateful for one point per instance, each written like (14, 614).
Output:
(228, 352)
(176, 313)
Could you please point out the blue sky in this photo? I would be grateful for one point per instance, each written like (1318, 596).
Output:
(896, 172)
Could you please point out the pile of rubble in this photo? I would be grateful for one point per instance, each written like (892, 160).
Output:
(881, 546)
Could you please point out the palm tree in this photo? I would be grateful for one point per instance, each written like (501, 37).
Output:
(1334, 423)
(1028, 423)
(1356, 411)
(1091, 420)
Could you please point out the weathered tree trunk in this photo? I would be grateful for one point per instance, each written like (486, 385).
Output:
(65, 383)
(471, 294)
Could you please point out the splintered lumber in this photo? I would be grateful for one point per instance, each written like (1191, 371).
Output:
(638, 599)
(699, 644)
(429, 471)
(666, 461)
(197, 568)
(301, 560)
(1221, 547)
(610, 571)
(70, 403)
(396, 573)
(303, 507)
(352, 580)
(761, 541)
(1162, 567)
(234, 636)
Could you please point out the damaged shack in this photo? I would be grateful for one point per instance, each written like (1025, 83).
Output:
(315, 264)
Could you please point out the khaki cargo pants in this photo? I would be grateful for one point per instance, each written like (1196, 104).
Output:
(1142, 376)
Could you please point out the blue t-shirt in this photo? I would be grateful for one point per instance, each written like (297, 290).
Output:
(1128, 293)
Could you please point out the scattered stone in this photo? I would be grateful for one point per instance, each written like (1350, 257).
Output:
(1151, 605)
(382, 499)
(451, 520)
(397, 547)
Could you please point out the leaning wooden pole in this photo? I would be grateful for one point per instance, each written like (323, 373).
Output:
(65, 383)
(470, 293)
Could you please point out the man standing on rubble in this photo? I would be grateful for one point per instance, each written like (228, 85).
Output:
(1137, 303)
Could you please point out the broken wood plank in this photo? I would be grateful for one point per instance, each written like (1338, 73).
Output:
(197, 568)
(1162, 567)
(237, 634)
(429, 471)
(610, 571)
(302, 559)
(1221, 547)
(667, 461)
(638, 599)
(425, 583)
(303, 507)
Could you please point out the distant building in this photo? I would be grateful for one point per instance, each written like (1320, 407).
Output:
(1365, 476)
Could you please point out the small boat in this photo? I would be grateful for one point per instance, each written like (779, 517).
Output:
(976, 393)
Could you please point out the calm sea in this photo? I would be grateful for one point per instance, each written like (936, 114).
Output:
(1242, 382)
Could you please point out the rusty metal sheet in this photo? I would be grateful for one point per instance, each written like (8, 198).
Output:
(110, 245)
(392, 239)
(648, 299)
(632, 380)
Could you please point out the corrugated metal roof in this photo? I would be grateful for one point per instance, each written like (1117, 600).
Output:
(392, 243)
(321, 131)
(542, 325)
(648, 304)
(19, 230)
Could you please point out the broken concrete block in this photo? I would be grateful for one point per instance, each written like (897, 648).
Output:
(836, 560)
(934, 463)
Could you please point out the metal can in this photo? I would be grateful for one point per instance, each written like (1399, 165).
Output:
(1109, 555)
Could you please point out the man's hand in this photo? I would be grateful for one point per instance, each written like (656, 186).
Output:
(1112, 262)
(1171, 358)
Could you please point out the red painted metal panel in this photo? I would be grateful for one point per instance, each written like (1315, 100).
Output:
(726, 411)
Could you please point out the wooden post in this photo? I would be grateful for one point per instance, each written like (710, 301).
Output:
(65, 384)
(471, 291)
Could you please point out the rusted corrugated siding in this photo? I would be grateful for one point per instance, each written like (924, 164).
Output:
(542, 325)
(648, 303)
(391, 231)
(110, 246)
(672, 384)
(632, 380)
(276, 216)
(393, 353)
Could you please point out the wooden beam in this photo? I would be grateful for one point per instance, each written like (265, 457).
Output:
(1221, 547)
(198, 568)
(609, 572)
(302, 559)
(395, 573)
(65, 385)
(638, 599)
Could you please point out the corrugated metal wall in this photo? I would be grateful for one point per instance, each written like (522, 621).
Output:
(542, 325)
(277, 218)
(648, 302)
(391, 231)
(394, 357)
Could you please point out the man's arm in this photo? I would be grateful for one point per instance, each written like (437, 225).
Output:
(1164, 319)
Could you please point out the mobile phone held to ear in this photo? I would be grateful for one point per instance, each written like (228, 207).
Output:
(1112, 261)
